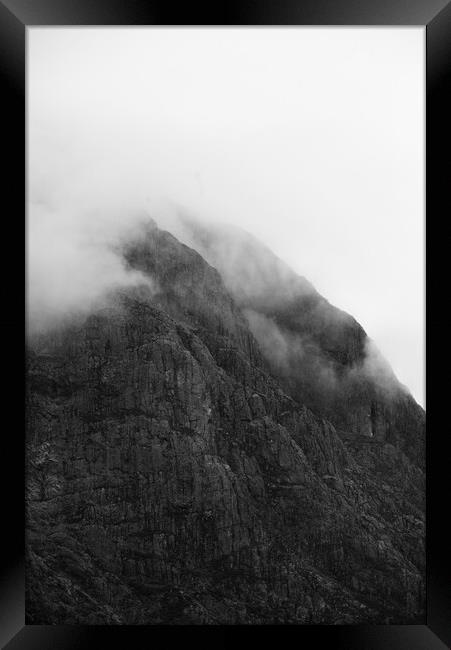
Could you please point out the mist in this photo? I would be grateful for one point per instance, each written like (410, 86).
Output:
(309, 139)
(298, 357)
(73, 262)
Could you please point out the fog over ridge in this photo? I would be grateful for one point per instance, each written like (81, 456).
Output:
(322, 163)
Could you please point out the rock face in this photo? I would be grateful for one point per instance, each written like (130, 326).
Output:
(198, 454)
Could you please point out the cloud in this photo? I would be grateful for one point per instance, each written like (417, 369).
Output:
(288, 134)
(73, 260)
(253, 274)
(293, 355)
(308, 368)
(377, 369)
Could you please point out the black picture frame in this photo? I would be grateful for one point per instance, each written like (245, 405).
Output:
(15, 17)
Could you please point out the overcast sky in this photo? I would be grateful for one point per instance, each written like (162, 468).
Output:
(310, 138)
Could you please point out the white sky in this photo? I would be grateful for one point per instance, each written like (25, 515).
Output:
(310, 138)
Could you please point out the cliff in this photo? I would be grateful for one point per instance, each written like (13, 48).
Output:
(200, 453)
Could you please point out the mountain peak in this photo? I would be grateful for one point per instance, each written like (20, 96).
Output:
(200, 451)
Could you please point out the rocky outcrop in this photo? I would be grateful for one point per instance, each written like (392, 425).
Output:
(322, 356)
(176, 475)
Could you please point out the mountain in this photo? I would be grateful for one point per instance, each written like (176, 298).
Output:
(220, 445)
(323, 354)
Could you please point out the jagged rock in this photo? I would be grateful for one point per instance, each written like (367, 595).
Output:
(177, 474)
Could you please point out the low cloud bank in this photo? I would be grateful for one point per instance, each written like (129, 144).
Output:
(251, 271)
(73, 260)
(303, 363)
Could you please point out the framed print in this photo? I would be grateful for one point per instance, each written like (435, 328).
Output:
(225, 324)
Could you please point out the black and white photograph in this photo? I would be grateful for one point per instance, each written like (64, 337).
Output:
(225, 327)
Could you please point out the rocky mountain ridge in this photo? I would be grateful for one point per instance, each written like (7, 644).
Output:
(179, 472)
